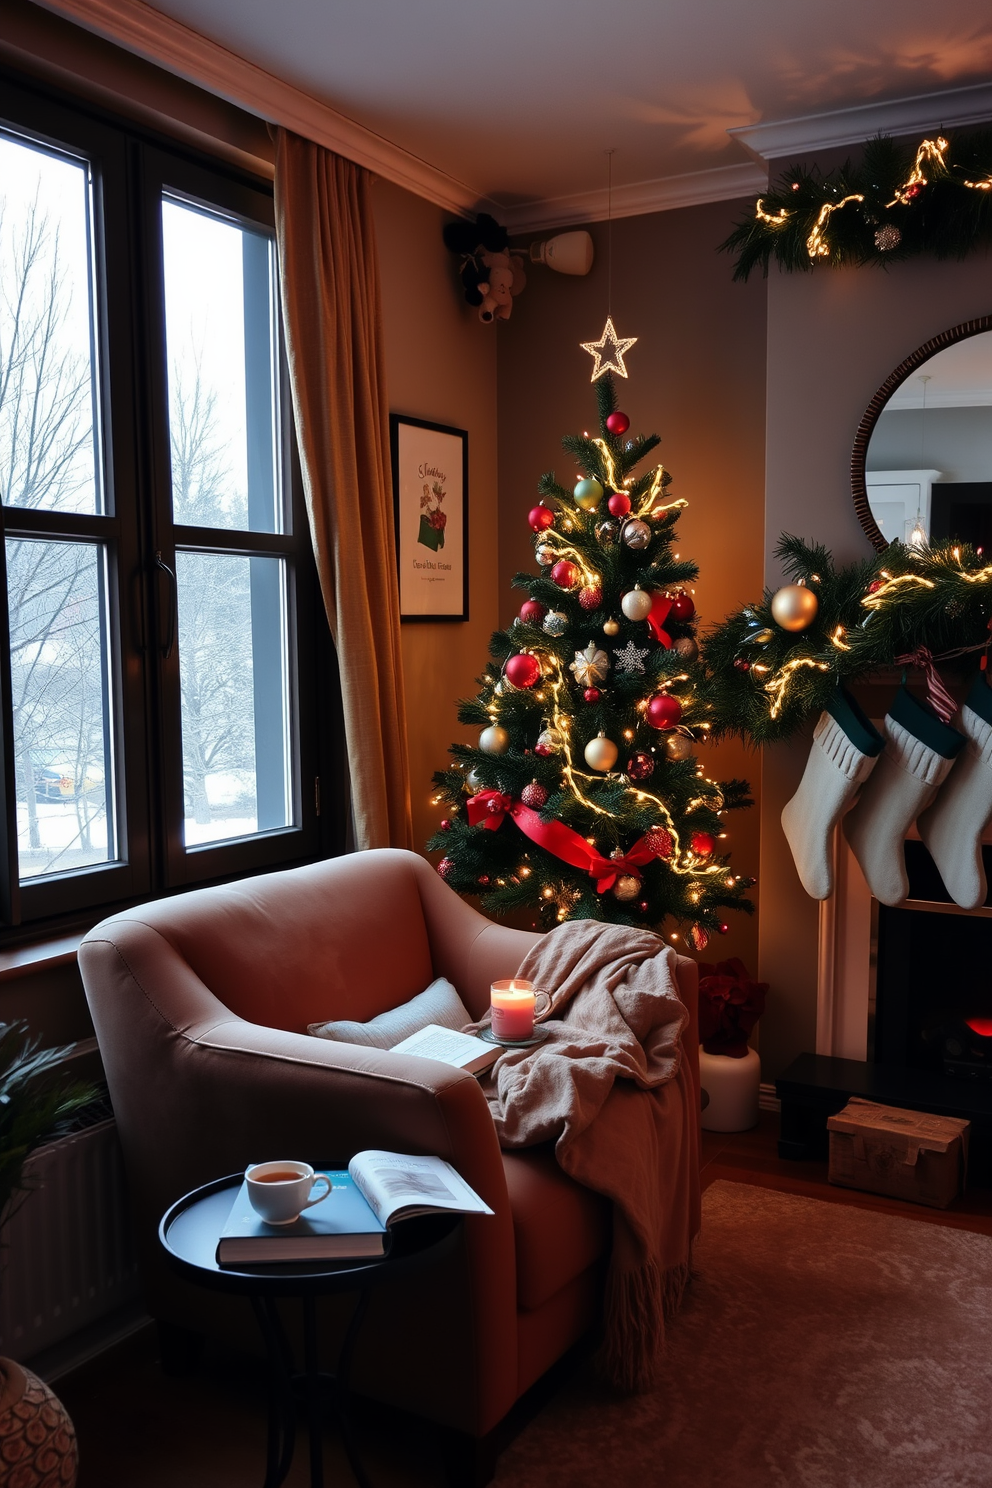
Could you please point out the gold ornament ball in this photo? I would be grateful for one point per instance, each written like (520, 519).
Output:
(678, 747)
(686, 647)
(626, 887)
(601, 754)
(794, 607)
(494, 740)
(611, 626)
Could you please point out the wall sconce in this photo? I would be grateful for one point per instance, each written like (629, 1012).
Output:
(567, 253)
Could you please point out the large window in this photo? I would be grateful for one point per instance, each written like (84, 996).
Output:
(157, 671)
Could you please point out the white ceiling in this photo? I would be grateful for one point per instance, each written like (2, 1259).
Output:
(519, 100)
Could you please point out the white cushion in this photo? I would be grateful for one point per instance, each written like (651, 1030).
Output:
(440, 1003)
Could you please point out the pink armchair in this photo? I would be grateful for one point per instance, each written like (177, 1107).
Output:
(201, 1004)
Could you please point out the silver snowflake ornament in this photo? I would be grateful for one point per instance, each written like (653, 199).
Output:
(590, 666)
(631, 658)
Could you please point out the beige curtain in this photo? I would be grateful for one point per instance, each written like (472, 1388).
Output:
(329, 276)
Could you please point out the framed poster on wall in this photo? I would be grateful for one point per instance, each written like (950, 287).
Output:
(430, 494)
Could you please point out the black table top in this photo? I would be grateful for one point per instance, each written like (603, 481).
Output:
(190, 1229)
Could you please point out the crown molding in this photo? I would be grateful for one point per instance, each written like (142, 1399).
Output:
(638, 198)
(168, 43)
(924, 112)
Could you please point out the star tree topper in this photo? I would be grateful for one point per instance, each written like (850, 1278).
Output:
(608, 351)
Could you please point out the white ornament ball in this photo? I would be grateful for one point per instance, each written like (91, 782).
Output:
(626, 887)
(636, 604)
(794, 607)
(636, 534)
(545, 555)
(555, 623)
(473, 781)
(601, 754)
(494, 739)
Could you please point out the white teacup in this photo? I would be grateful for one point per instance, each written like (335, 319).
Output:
(280, 1191)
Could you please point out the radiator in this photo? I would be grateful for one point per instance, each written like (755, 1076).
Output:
(68, 1253)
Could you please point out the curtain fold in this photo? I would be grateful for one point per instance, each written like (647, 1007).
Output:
(329, 279)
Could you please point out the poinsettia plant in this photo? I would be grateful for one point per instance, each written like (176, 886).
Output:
(730, 1004)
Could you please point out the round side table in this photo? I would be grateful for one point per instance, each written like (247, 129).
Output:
(189, 1232)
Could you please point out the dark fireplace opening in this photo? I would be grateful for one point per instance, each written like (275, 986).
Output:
(933, 983)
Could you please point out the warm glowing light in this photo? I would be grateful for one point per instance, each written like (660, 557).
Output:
(873, 601)
(778, 686)
(773, 220)
(608, 351)
(816, 244)
(837, 639)
(932, 150)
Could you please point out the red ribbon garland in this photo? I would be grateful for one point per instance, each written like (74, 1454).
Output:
(660, 608)
(489, 808)
(938, 696)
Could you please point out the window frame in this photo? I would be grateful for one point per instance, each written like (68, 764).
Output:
(131, 167)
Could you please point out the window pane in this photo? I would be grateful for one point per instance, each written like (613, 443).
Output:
(49, 448)
(223, 392)
(60, 683)
(235, 697)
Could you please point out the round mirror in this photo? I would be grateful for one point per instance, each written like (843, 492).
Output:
(921, 471)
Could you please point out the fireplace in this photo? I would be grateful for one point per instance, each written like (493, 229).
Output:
(904, 1009)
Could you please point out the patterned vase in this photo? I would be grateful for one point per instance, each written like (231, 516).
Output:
(37, 1439)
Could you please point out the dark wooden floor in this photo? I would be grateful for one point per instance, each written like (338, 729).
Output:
(139, 1429)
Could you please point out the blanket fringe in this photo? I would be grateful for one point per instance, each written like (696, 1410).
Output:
(636, 1307)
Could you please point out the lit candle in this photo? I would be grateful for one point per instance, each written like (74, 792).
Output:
(512, 1006)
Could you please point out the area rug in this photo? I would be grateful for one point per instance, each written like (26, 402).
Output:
(820, 1346)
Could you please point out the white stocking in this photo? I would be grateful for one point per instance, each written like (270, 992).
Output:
(952, 827)
(845, 747)
(919, 751)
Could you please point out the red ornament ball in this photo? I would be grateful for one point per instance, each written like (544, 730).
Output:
(723, 927)
(592, 694)
(663, 711)
(742, 664)
(875, 585)
(532, 612)
(618, 423)
(446, 825)
(483, 880)
(703, 844)
(683, 607)
(446, 868)
(698, 938)
(523, 670)
(619, 504)
(640, 766)
(535, 796)
(591, 597)
(643, 906)
(540, 518)
(660, 842)
(914, 191)
(565, 574)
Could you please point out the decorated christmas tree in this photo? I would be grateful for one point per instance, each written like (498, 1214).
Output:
(583, 798)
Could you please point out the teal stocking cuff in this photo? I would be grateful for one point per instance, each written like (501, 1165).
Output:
(855, 722)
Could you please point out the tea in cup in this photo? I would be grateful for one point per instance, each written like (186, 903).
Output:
(280, 1191)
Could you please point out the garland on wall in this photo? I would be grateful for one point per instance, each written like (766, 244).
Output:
(774, 663)
(894, 204)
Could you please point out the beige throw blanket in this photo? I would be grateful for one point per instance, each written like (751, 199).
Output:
(609, 1087)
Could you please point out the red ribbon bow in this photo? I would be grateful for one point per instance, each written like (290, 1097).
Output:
(489, 808)
(938, 696)
(660, 608)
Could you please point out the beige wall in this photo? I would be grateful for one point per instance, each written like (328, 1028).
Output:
(440, 365)
(696, 378)
(833, 338)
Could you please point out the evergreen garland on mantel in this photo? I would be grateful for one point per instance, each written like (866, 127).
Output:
(897, 202)
(920, 608)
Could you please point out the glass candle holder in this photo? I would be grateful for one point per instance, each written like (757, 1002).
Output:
(512, 1006)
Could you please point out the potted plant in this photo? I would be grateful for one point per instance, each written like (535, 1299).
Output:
(730, 1004)
(37, 1440)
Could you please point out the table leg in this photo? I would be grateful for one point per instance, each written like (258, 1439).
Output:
(281, 1437)
(311, 1365)
(342, 1390)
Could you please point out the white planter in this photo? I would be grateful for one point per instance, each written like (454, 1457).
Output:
(732, 1086)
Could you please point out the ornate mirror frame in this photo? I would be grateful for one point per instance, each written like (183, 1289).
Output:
(859, 489)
